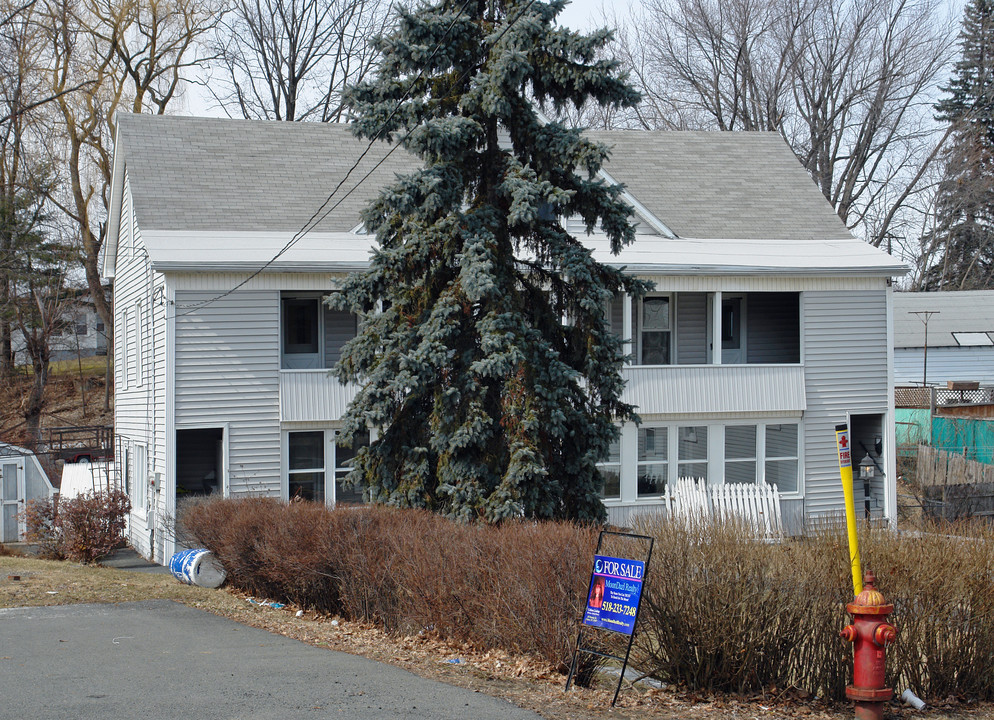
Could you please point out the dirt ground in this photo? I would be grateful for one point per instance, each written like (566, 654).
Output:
(520, 680)
(64, 405)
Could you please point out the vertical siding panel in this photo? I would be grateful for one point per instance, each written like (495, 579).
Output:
(339, 328)
(692, 328)
(227, 372)
(845, 369)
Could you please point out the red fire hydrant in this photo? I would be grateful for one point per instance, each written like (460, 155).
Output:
(871, 634)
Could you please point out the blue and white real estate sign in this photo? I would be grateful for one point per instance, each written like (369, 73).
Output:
(613, 597)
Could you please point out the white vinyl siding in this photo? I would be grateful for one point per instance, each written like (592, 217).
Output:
(944, 364)
(845, 371)
(227, 372)
(140, 377)
(691, 328)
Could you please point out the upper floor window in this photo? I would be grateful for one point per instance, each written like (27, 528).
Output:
(654, 331)
(313, 334)
(678, 328)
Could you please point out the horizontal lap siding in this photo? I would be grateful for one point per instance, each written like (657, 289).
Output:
(139, 407)
(944, 364)
(227, 371)
(845, 369)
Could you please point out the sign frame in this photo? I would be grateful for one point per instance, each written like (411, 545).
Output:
(623, 573)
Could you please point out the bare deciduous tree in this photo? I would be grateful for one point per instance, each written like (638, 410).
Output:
(127, 55)
(291, 59)
(848, 83)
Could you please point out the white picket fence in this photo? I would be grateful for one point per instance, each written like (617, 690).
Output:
(758, 506)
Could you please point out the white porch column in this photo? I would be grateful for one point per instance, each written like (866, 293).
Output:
(626, 323)
(716, 329)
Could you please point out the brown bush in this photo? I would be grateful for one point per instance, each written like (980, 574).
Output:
(518, 587)
(724, 612)
(83, 529)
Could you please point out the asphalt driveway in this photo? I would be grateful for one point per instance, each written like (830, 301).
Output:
(163, 660)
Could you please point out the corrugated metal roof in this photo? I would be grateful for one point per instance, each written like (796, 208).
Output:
(238, 189)
(965, 311)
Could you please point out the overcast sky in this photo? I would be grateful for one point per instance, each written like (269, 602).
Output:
(579, 15)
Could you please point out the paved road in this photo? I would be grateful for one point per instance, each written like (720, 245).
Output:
(165, 661)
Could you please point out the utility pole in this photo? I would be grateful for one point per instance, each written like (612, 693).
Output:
(925, 316)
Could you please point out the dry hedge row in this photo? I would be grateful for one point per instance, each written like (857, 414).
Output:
(723, 612)
(720, 611)
(518, 587)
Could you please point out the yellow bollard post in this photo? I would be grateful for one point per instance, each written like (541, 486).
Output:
(845, 472)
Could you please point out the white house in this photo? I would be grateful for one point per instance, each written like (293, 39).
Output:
(80, 334)
(960, 337)
(770, 323)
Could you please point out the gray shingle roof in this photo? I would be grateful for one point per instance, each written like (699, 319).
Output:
(967, 311)
(207, 174)
(740, 185)
(216, 174)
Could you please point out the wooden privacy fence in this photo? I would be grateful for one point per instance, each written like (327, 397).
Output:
(758, 506)
(941, 467)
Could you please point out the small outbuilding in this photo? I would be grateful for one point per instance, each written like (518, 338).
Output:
(22, 478)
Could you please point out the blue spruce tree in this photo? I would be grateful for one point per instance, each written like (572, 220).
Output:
(485, 361)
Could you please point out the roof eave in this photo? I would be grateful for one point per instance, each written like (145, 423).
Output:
(109, 268)
(632, 269)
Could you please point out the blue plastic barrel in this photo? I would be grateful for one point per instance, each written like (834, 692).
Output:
(197, 567)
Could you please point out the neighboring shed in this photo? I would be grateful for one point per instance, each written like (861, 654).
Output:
(960, 337)
(22, 478)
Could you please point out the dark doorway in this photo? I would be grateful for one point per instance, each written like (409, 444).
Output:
(866, 437)
(199, 461)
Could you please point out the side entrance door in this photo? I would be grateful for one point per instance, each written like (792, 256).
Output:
(11, 500)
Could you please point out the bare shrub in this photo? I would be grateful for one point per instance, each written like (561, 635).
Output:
(39, 520)
(84, 528)
(724, 612)
(518, 587)
(942, 587)
(92, 525)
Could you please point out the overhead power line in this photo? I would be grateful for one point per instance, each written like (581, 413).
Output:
(324, 210)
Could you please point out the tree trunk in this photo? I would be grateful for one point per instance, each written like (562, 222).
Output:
(36, 398)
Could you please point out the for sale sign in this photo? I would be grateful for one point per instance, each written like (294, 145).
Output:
(614, 594)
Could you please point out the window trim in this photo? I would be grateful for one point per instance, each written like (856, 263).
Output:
(330, 448)
(716, 450)
(638, 329)
(139, 344)
(608, 464)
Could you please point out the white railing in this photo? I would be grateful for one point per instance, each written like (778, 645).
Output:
(313, 396)
(316, 396)
(701, 389)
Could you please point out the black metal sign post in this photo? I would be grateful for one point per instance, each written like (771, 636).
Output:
(614, 601)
